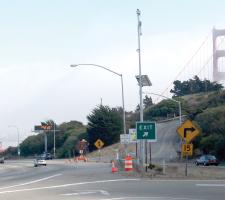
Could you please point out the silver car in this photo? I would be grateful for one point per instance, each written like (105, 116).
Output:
(39, 161)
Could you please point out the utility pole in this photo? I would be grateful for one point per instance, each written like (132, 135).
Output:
(142, 143)
(54, 140)
(46, 142)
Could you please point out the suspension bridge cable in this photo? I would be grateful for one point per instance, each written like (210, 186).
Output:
(210, 58)
(189, 61)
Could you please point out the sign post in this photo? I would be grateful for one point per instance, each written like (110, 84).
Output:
(146, 131)
(45, 127)
(133, 139)
(99, 144)
(187, 131)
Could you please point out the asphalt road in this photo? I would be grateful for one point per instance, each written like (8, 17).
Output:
(94, 181)
(168, 141)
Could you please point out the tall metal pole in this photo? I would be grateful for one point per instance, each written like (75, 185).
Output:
(179, 103)
(142, 143)
(124, 114)
(139, 59)
(121, 76)
(180, 113)
(18, 134)
(54, 140)
(46, 142)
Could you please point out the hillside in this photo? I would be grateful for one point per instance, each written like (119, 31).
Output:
(208, 110)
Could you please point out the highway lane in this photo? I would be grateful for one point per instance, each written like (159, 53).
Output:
(84, 181)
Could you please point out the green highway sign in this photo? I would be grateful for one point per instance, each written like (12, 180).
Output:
(146, 130)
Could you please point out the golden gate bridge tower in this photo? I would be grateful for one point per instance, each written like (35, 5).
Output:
(218, 72)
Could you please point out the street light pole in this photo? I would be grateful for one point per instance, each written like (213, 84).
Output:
(142, 143)
(139, 59)
(179, 103)
(54, 140)
(121, 76)
(124, 114)
(18, 138)
(180, 114)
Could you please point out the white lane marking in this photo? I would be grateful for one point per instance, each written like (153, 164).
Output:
(162, 198)
(79, 193)
(11, 166)
(187, 180)
(66, 185)
(103, 192)
(210, 185)
(31, 182)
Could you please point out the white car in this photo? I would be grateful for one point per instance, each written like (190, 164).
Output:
(39, 161)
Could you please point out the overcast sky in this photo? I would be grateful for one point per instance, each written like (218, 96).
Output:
(39, 40)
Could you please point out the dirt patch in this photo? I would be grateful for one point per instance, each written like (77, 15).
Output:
(177, 171)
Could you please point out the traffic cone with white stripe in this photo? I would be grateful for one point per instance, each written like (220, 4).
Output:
(128, 163)
(114, 169)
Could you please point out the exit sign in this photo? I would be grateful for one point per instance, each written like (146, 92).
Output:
(146, 130)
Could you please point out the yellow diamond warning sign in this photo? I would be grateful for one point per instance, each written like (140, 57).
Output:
(188, 131)
(99, 144)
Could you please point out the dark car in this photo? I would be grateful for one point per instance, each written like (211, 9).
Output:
(2, 160)
(47, 156)
(207, 160)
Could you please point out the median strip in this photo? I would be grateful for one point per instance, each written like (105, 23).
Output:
(210, 185)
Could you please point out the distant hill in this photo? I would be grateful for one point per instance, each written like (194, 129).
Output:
(208, 110)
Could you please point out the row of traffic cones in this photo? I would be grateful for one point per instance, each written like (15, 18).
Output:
(128, 164)
(76, 159)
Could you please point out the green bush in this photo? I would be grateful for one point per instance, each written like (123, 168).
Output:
(104, 123)
(208, 143)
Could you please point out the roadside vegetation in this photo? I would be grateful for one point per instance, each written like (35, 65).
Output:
(202, 101)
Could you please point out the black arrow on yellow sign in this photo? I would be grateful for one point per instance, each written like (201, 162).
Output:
(192, 129)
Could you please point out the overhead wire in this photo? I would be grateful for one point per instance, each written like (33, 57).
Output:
(210, 58)
(186, 65)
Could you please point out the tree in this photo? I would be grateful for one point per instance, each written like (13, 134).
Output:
(68, 134)
(67, 138)
(162, 110)
(104, 123)
(32, 145)
(137, 109)
(194, 85)
(212, 144)
(147, 102)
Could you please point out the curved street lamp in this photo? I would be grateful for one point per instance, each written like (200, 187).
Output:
(179, 103)
(121, 76)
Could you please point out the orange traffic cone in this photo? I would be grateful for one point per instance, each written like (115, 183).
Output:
(114, 169)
